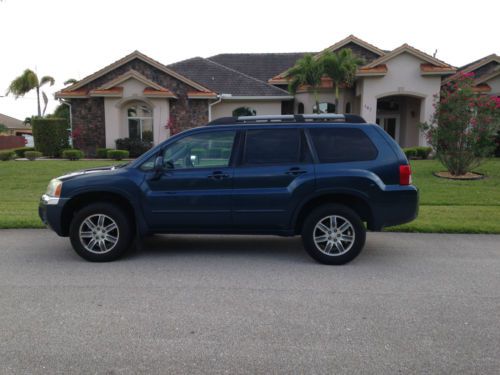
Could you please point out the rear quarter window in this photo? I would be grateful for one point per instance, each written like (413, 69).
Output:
(336, 145)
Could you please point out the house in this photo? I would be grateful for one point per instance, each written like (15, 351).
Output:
(14, 126)
(139, 97)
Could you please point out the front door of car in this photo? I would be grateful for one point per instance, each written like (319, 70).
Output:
(274, 174)
(193, 190)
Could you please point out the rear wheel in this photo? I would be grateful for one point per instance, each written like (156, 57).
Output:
(333, 234)
(100, 232)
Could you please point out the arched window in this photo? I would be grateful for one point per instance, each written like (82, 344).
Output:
(244, 111)
(300, 108)
(140, 122)
(325, 108)
(348, 107)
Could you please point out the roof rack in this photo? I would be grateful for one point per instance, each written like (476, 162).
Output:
(328, 117)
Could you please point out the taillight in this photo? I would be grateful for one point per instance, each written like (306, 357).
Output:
(404, 175)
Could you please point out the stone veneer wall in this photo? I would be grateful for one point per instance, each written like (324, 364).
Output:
(88, 114)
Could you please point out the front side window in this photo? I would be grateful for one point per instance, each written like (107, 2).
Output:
(272, 146)
(342, 145)
(140, 122)
(204, 150)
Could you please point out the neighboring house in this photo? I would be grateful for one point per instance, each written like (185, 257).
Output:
(14, 126)
(142, 98)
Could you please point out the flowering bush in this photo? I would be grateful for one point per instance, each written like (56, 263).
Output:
(464, 125)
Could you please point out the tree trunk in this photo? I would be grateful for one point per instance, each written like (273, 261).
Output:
(38, 101)
(316, 100)
(336, 97)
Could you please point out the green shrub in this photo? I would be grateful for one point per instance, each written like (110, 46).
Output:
(410, 152)
(6, 155)
(50, 135)
(118, 154)
(72, 154)
(21, 150)
(423, 152)
(32, 155)
(102, 153)
(136, 147)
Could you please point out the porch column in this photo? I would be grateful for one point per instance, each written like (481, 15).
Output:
(369, 108)
(426, 113)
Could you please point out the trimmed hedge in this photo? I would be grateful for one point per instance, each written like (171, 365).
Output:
(136, 147)
(51, 135)
(102, 153)
(420, 152)
(32, 155)
(20, 152)
(118, 154)
(72, 154)
(6, 155)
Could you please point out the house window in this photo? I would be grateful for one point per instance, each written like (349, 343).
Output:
(325, 108)
(348, 107)
(140, 122)
(300, 108)
(244, 111)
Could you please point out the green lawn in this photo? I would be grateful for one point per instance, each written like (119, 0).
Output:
(445, 205)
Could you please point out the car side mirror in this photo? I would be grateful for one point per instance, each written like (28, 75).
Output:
(158, 163)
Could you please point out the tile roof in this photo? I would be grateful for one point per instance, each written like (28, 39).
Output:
(12, 123)
(223, 79)
(262, 66)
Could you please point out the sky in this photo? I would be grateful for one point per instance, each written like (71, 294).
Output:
(73, 38)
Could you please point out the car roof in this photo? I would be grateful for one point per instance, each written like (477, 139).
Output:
(289, 119)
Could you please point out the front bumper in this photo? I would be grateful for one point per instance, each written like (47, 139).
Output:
(50, 212)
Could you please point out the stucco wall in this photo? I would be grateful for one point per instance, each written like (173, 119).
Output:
(403, 78)
(495, 86)
(115, 110)
(226, 107)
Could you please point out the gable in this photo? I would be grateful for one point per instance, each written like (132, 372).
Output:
(142, 65)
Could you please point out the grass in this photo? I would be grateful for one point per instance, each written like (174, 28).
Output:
(445, 206)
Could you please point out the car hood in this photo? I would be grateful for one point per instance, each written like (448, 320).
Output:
(83, 172)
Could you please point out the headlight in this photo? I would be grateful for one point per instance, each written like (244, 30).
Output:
(54, 188)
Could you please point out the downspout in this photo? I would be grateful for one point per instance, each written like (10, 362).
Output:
(220, 97)
(62, 101)
(210, 105)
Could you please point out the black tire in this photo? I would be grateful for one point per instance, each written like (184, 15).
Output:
(333, 238)
(124, 232)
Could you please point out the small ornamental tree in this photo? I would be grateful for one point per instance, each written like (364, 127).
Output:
(462, 130)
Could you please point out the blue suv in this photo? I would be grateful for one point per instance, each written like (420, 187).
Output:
(325, 177)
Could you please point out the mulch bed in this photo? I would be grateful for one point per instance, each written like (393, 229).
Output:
(464, 177)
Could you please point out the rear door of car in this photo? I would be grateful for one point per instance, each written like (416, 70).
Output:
(274, 173)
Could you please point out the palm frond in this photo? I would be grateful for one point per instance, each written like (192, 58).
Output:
(23, 84)
(47, 79)
(70, 81)
(45, 102)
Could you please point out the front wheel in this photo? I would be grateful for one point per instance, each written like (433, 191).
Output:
(100, 232)
(333, 234)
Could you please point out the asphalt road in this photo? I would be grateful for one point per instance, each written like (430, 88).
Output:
(410, 303)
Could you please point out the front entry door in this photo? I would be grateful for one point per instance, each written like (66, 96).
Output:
(194, 191)
(390, 123)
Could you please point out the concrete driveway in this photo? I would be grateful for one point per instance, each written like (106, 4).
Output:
(410, 303)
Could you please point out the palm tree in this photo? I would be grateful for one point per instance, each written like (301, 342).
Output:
(27, 82)
(341, 68)
(306, 71)
(70, 81)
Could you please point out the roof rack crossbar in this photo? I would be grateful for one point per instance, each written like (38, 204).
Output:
(325, 117)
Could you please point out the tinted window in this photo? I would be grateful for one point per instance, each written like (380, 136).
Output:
(342, 145)
(272, 146)
(204, 150)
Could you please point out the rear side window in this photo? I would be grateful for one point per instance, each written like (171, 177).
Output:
(272, 146)
(342, 145)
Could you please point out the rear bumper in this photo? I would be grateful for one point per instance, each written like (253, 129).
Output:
(397, 205)
(50, 212)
